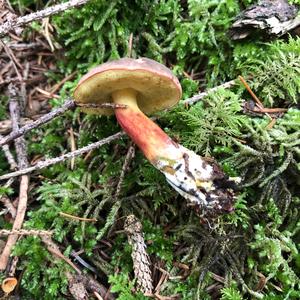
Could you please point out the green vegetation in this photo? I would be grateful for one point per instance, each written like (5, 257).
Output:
(258, 242)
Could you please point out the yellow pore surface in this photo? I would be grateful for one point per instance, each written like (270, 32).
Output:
(154, 91)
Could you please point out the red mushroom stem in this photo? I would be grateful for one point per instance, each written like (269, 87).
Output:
(199, 180)
(152, 140)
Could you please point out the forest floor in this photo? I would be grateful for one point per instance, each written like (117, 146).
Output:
(83, 215)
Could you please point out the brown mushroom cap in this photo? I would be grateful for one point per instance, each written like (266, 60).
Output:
(157, 88)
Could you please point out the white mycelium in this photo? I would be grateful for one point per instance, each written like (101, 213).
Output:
(193, 177)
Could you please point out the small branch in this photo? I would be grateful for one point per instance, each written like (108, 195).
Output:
(14, 107)
(103, 105)
(24, 182)
(23, 46)
(31, 80)
(82, 262)
(258, 102)
(6, 126)
(21, 21)
(87, 280)
(255, 98)
(23, 84)
(77, 218)
(13, 59)
(13, 266)
(9, 206)
(4, 232)
(97, 296)
(73, 146)
(200, 96)
(270, 110)
(6, 201)
(271, 124)
(9, 156)
(44, 119)
(68, 105)
(54, 249)
(46, 163)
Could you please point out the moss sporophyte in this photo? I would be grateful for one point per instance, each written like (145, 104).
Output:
(144, 85)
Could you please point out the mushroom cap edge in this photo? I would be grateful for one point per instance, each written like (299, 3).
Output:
(157, 88)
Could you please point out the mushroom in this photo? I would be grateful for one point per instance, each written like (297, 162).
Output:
(146, 86)
(9, 284)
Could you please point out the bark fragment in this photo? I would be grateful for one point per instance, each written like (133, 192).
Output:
(272, 17)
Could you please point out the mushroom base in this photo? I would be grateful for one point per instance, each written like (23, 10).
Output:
(201, 182)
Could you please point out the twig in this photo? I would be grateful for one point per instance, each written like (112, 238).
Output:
(98, 296)
(6, 126)
(6, 201)
(258, 102)
(54, 249)
(44, 119)
(73, 146)
(46, 94)
(200, 96)
(4, 232)
(103, 105)
(23, 46)
(77, 218)
(87, 280)
(270, 110)
(24, 182)
(13, 266)
(255, 98)
(13, 59)
(14, 108)
(129, 156)
(21, 21)
(68, 105)
(9, 156)
(23, 86)
(31, 80)
(271, 124)
(46, 163)
(9, 206)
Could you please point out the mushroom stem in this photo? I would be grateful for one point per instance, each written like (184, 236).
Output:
(149, 137)
(198, 179)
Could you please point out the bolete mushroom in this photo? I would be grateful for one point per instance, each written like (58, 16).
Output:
(146, 86)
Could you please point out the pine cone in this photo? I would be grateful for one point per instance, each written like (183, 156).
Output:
(141, 260)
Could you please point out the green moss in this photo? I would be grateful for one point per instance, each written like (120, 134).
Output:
(261, 235)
